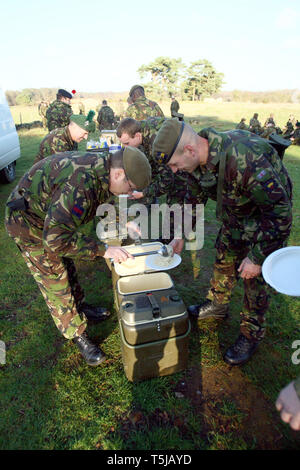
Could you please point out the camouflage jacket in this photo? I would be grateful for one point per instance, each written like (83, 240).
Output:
(105, 115)
(257, 190)
(143, 108)
(58, 115)
(42, 109)
(163, 179)
(174, 107)
(59, 140)
(296, 137)
(255, 125)
(63, 193)
(242, 125)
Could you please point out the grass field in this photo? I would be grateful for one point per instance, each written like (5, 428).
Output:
(50, 399)
(218, 114)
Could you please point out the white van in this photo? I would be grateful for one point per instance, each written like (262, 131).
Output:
(9, 142)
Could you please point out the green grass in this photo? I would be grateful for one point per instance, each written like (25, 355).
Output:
(50, 399)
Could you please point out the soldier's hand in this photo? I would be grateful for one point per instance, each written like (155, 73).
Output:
(288, 403)
(248, 270)
(117, 253)
(136, 195)
(133, 230)
(177, 244)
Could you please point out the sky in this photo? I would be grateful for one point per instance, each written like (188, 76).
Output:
(98, 46)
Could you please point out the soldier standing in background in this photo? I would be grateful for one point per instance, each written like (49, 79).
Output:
(105, 117)
(253, 191)
(296, 135)
(65, 139)
(42, 109)
(142, 108)
(44, 214)
(289, 128)
(81, 108)
(242, 125)
(255, 125)
(174, 107)
(59, 112)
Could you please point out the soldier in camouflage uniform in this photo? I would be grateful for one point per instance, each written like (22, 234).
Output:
(42, 109)
(242, 125)
(59, 112)
(81, 108)
(65, 139)
(141, 134)
(296, 135)
(44, 214)
(255, 125)
(288, 403)
(289, 128)
(244, 173)
(142, 108)
(105, 117)
(174, 107)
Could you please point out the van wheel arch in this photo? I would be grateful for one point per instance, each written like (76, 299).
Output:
(8, 174)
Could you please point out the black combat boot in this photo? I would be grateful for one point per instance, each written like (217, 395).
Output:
(241, 351)
(208, 309)
(95, 314)
(91, 353)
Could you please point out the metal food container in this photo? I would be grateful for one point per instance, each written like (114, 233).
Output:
(153, 320)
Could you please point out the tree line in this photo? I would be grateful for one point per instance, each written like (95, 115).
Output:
(162, 78)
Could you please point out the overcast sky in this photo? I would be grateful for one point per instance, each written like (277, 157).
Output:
(97, 45)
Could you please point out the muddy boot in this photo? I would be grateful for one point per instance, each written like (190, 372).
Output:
(91, 353)
(241, 351)
(95, 314)
(208, 309)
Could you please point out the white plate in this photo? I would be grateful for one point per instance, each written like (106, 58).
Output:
(150, 262)
(281, 269)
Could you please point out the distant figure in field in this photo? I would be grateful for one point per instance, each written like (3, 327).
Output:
(42, 109)
(105, 117)
(255, 125)
(142, 108)
(296, 135)
(81, 108)
(175, 108)
(59, 112)
(270, 120)
(242, 125)
(290, 127)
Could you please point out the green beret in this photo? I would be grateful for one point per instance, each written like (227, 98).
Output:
(82, 122)
(135, 87)
(137, 167)
(166, 140)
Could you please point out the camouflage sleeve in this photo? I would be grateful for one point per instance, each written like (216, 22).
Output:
(65, 216)
(131, 112)
(297, 386)
(162, 182)
(273, 201)
(159, 111)
(50, 147)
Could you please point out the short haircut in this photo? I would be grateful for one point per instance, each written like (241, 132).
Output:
(104, 102)
(130, 126)
(116, 160)
(139, 91)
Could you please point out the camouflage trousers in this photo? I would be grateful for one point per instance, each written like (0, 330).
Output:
(56, 276)
(256, 292)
